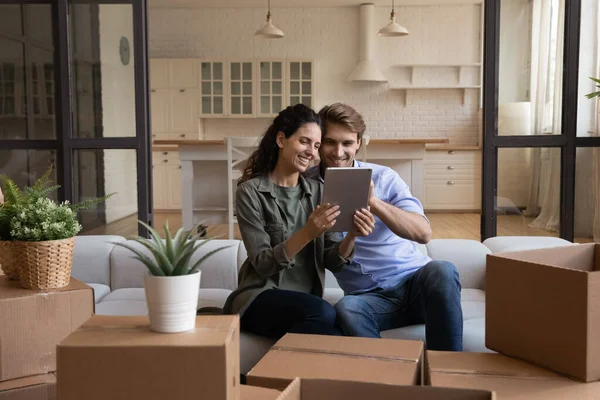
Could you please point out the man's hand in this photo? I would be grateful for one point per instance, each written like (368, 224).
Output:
(364, 223)
(1, 197)
(372, 197)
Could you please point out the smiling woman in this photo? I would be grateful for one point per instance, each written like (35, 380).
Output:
(284, 231)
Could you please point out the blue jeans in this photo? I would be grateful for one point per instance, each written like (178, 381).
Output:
(431, 296)
(275, 312)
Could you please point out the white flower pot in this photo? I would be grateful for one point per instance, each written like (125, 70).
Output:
(172, 302)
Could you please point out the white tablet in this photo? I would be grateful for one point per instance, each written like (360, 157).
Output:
(348, 188)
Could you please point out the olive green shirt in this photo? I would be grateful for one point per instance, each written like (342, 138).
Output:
(265, 229)
(302, 277)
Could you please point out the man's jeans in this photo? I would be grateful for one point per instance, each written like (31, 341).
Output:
(431, 296)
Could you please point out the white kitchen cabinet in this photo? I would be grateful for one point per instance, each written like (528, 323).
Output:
(212, 89)
(174, 99)
(159, 73)
(183, 107)
(166, 180)
(174, 186)
(271, 97)
(183, 73)
(241, 89)
(301, 80)
(159, 110)
(452, 180)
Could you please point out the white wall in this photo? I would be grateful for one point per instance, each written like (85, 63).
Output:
(330, 36)
(118, 110)
(515, 51)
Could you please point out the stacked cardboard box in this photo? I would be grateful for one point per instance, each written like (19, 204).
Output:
(119, 357)
(32, 323)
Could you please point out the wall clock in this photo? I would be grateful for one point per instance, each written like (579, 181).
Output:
(124, 50)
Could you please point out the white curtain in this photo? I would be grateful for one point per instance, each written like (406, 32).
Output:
(546, 96)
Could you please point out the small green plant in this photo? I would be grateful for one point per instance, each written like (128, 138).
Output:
(172, 256)
(43, 220)
(33, 216)
(597, 93)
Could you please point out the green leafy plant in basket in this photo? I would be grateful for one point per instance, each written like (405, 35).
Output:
(39, 233)
(173, 283)
(29, 215)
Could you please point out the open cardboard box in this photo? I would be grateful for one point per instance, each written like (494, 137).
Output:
(325, 389)
(509, 378)
(339, 358)
(543, 306)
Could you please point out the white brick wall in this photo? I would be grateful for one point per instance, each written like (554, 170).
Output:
(329, 36)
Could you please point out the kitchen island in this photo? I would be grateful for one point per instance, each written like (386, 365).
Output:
(206, 178)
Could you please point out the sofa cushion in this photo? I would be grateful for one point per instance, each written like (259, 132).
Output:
(91, 258)
(132, 301)
(517, 243)
(218, 271)
(468, 256)
(100, 291)
(333, 295)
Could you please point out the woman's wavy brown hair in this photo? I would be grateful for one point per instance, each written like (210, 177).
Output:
(264, 159)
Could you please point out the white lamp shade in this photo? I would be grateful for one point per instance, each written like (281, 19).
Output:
(393, 29)
(269, 31)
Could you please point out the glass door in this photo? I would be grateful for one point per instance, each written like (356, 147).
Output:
(73, 94)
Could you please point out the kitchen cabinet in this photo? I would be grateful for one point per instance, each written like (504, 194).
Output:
(174, 99)
(166, 180)
(271, 88)
(212, 85)
(301, 82)
(452, 180)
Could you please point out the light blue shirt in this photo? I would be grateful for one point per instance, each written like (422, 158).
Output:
(381, 259)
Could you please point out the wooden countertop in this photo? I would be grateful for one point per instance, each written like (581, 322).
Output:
(426, 141)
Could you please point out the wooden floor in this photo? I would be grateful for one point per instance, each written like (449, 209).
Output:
(445, 226)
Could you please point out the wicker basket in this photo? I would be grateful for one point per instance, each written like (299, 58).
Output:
(44, 265)
(8, 262)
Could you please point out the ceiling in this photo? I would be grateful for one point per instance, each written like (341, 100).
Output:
(294, 3)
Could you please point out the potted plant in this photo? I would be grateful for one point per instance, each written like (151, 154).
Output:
(39, 233)
(173, 282)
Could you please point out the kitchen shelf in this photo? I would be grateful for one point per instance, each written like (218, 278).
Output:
(460, 68)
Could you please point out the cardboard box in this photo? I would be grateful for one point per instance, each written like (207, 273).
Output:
(32, 323)
(323, 389)
(340, 358)
(248, 392)
(118, 357)
(543, 306)
(509, 378)
(38, 387)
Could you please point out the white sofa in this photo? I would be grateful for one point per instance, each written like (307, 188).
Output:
(117, 279)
